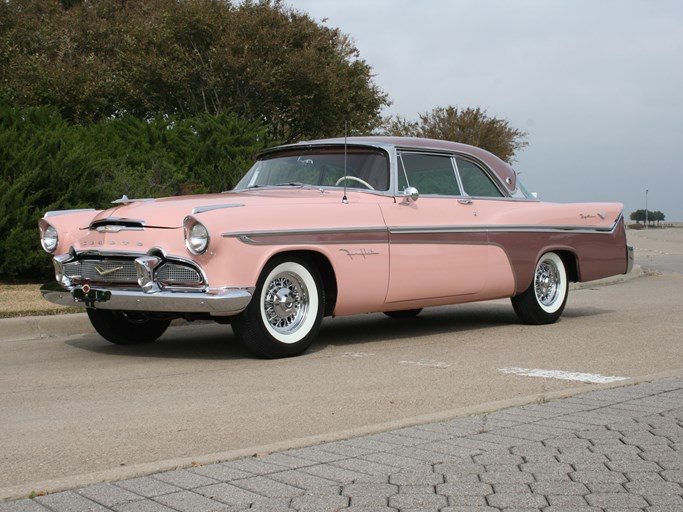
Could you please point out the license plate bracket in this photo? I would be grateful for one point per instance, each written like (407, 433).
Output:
(90, 295)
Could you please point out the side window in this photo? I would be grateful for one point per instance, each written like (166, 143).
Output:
(429, 174)
(475, 181)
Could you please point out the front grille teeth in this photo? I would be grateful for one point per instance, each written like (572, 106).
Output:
(123, 273)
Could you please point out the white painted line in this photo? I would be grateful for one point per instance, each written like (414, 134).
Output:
(355, 355)
(428, 363)
(559, 374)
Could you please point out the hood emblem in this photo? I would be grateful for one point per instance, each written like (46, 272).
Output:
(109, 228)
(106, 271)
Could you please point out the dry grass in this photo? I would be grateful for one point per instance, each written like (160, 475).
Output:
(26, 300)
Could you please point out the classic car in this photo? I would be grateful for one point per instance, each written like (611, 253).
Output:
(331, 227)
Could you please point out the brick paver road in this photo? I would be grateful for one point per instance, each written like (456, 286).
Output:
(611, 450)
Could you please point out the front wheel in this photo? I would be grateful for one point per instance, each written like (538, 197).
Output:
(124, 328)
(544, 300)
(286, 312)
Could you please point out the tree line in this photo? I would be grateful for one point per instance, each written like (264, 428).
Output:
(648, 216)
(100, 98)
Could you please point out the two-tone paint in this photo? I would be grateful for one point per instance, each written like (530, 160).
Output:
(376, 250)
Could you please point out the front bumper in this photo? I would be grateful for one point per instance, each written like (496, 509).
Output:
(629, 258)
(221, 302)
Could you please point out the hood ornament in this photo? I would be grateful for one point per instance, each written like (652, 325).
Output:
(124, 200)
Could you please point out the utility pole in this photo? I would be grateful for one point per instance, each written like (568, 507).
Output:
(646, 191)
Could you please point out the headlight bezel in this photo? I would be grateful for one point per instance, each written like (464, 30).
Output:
(197, 237)
(49, 237)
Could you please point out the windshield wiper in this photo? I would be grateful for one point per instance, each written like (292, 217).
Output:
(300, 185)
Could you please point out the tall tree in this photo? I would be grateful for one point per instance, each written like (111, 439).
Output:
(268, 63)
(469, 126)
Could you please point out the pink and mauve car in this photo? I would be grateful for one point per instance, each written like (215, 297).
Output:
(331, 227)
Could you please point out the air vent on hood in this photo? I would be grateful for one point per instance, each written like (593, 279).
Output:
(114, 225)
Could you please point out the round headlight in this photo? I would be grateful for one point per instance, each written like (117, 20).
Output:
(50, 239)
(196, 238)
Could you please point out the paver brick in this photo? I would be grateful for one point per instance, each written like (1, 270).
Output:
(147, 487)
(228, 494)
(385, 490)
(650, 488)
(69, 501)
(266, 486)
(464, 489)
(559, 488)
(418, 501)
(300, 479)
(142, 506)
(188, 501)
(23, 506)
(507, 477)
(319, 503)
(416, 478)
(616, 500)
(108, 495)
(184, 479)
(508, 501)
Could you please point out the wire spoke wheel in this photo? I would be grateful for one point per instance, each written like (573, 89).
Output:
(286, 311)
(546, 297)
(547, 282)
(286, 303)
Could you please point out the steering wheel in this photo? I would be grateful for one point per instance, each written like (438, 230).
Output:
(354, 178)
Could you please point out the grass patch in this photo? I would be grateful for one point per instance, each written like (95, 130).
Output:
(26, 300)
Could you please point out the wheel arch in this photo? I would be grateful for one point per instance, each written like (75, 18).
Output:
(570, 260)
(323, 265)
(566, 254)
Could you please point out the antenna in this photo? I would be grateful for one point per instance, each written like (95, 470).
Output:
(345, 199)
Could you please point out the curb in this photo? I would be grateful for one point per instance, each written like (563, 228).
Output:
(54, 326)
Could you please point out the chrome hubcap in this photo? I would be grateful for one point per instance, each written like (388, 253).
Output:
(547, 283)
(286, 302)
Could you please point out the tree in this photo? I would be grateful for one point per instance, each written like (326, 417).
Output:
(264, 61)
(638, 216)
(469, 126)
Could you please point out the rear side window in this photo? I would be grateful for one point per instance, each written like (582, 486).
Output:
(475, 180)
(429, 174)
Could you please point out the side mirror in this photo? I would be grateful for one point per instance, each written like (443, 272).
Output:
(410, 194)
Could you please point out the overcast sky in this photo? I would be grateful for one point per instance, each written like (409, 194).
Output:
(597, 84)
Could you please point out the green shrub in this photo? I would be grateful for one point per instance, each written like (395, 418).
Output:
(47, 164)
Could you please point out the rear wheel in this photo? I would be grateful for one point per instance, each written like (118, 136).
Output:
(546, 297)
(126, 328)
(286, 311)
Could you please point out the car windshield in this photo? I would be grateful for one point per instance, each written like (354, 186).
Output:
(360, 168)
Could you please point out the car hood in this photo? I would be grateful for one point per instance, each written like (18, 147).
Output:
(170, 212)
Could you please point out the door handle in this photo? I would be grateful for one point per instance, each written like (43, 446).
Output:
(465, 201)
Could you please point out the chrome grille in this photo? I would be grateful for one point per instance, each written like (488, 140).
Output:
(172, 273)
(123, 272)
(102, 271)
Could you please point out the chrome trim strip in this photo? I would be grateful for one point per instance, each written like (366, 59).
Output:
(315, 231)
(249, 236)
(56, 213)
(202, 209)
(502, 229)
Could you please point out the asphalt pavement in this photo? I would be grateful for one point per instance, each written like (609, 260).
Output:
(616, 448)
